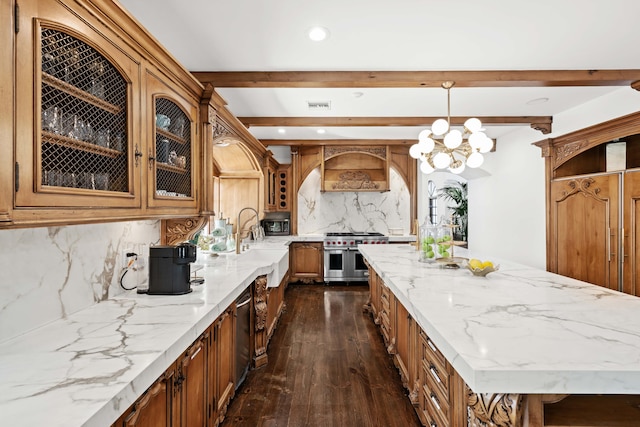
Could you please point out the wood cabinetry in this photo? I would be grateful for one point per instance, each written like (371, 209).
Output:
(306, 261)
(190, 406)
(88, 85)
(154, 407)
(196, 389)
(221, 381)
(6, 109)
(435, 389)
(283, 193)
(276, 185)
(172, 153)
(592, 211)
(355, 168)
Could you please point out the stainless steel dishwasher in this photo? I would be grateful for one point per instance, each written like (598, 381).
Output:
(243, 334)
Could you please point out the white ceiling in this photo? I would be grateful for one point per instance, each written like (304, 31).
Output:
(403, 35)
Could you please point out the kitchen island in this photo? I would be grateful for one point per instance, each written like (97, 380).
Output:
(88, 368)
(519, 331)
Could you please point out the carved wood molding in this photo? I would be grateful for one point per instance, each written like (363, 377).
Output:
(355, 180)
(260, 302)
(334, 151)
(179, 230)
(569, 150)
(221, 130)
(582, 186)
(495, 409)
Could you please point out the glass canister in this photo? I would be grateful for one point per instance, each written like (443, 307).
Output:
(429, 235)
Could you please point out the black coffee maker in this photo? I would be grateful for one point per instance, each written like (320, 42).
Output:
(169, 269)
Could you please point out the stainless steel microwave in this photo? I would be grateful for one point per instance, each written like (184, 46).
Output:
(276, 224)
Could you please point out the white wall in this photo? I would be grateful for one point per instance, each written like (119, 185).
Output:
(507, 208)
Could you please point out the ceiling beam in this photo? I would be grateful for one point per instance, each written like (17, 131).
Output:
(408, 79)
(384, 121)
(541, 123)
(348, 142)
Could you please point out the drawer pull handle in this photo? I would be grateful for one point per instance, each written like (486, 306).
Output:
(430, 344)
(432, 424)
(434, 373)
(434, 399)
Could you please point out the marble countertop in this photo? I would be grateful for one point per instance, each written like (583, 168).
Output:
(87, 369)
(520, 329)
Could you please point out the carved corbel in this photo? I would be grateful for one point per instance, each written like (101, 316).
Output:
(180, 230)
(636, 85)
(495, 409)
(545, 127)
(260, 308)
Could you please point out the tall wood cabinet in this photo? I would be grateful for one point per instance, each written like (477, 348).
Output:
(108, 121)
(592, 206)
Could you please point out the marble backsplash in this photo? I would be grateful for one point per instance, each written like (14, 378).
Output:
(51, 272)
(352, 211)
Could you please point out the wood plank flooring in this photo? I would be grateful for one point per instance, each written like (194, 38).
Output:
(327, 367)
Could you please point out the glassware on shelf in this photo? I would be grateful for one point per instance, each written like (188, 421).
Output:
(52, 120)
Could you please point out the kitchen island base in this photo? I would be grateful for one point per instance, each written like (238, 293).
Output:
(442, 397)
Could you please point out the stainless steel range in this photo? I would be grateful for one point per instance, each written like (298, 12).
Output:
(342, 260)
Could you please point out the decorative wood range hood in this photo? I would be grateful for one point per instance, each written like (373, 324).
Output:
(355, 168)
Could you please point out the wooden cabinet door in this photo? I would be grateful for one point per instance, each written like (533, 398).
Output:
(6, 110)
(171, 158)
(584, 220)
(631, 236)
(193, 384)
(221, 366)
(77, 96)
(154, 407)
(306, 261)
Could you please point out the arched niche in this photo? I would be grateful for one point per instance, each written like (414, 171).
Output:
(238, 181)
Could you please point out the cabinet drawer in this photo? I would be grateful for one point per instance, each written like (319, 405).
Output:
(436, 375)
(438, 396)
(430, 348)
(433, 409)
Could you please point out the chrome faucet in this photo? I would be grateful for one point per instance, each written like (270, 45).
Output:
(238, 234)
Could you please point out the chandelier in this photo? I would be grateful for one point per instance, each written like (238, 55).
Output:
(444, 148)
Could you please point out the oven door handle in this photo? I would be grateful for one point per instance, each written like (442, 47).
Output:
(352, 249)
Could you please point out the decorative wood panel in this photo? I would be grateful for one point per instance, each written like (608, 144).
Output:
(584, 221)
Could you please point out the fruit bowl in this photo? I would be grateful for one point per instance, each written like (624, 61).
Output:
(482, 271)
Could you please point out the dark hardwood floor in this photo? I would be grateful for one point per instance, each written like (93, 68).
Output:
(327, 367)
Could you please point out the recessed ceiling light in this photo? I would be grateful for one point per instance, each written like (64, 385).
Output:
(317, 34)
(357, 94)
(537, 101)
(321, 131)
(281, 131)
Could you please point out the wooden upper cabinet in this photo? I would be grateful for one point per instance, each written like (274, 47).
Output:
(171, 156)
(631, 233)
(89, 84)
(76, 95)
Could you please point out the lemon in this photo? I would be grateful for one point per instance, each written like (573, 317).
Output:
(487, 264)
(475, 263)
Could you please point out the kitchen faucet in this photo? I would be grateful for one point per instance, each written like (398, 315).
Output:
(238, 235)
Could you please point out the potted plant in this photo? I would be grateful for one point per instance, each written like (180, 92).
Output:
(456, 192)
